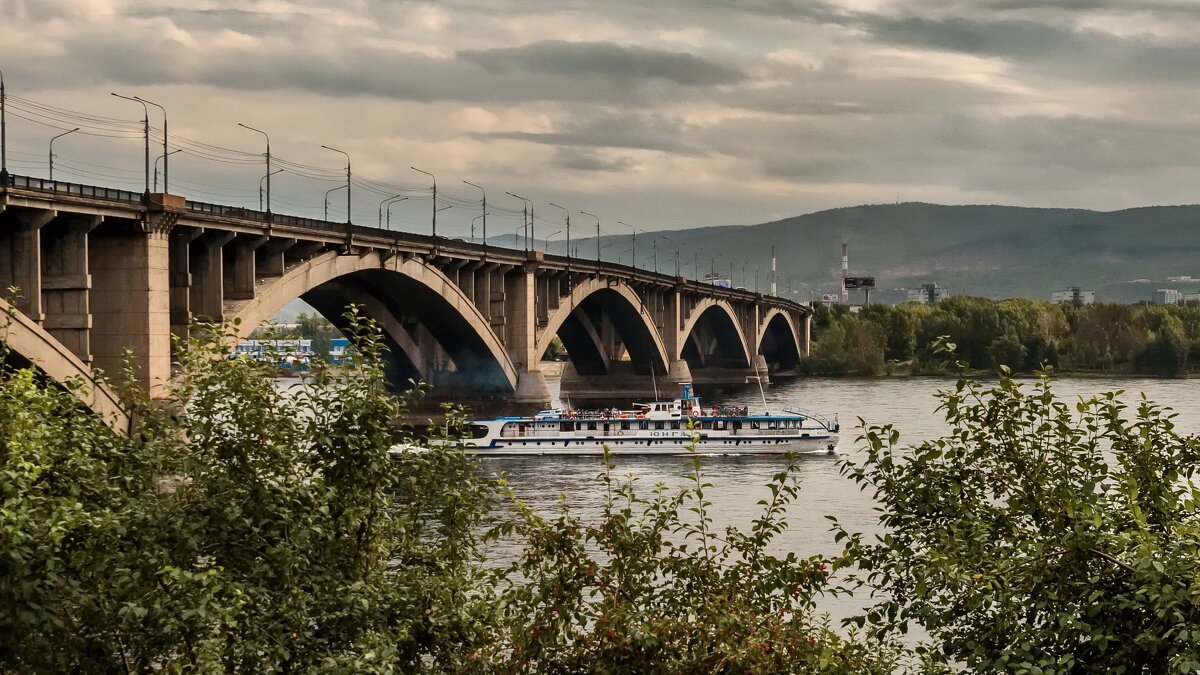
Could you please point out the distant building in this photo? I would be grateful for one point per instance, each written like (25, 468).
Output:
(928, 294)
(1167, 296)
(1191, 297)
(718, 280)
(337, 349)
(287, 353)
(1073, 296)
(1182, 278)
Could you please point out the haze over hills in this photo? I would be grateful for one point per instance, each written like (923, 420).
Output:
(989, 251)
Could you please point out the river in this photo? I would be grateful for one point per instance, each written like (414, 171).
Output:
(738, 482)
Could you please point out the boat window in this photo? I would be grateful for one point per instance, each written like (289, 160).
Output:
(771, 425)
(737, 425)
(643, 425)
(625, 426)
(659, 425)
(674, 425)
(754, 424)
(706, 425)
(568, 426)
(591, 426)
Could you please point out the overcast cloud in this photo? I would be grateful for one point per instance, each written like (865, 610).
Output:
(665, 114)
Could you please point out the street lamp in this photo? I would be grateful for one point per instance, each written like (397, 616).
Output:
(340, 187)
(522, 229)
(163, 157)
(3, 135)
(52, 149)
(568, 215)
(269, 172)
(546, 241)
(676, 253)
(527, 216)
(385, 201)
(484, 216)
(266, 178)
(388, 222)
(166, 162)
(145, 132)
(597, 234)
(622, 254)
(435, 208)
(634, 230)
(348, 219)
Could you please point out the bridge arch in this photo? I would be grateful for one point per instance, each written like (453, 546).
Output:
(714, 321)
(33, 345)
(778, 340)
(386, 287)
(622, 305)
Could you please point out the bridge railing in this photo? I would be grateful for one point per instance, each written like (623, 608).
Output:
(93, 191)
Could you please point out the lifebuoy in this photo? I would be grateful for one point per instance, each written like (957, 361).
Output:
(620, 433)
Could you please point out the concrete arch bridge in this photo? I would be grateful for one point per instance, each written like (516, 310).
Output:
(101, 270)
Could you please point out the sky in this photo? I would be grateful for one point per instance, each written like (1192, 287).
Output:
(663, 114)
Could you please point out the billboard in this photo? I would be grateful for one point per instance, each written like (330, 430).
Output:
(859, 282)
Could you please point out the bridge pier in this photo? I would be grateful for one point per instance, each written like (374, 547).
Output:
(131, 301)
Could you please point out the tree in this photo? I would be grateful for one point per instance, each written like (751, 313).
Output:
(1021, 545)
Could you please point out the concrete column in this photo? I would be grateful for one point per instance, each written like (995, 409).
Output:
(238, 261)
(208, 275)
(269, 258)
(21, 259)
(181, 279)
(130, 301)
(520, 335)
(806, 335)
(66, 283)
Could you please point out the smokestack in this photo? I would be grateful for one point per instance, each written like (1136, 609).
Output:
(845, 272)
(773, 275)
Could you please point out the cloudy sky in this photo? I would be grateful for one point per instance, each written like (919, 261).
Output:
(664, 114)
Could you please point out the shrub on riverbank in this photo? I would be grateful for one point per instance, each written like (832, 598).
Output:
(1038, 537)
(245, 528)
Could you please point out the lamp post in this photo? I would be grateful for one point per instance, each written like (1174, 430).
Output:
(527, 216)
(52, 149)
(3, 135)
(166, 162)
(435, 208)
(348, 218)
(266, 178)
(597, 234)
(145, 132)
(568, 215)
(163, 157)
(340, 187)
(676, 253)
(385, 201)
(522, 229)
(484, 216)
(634, 230)
(622, 254)
(546, 241)
(388, 222)
(269, 172)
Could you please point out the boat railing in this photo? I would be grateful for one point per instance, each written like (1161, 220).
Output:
(830, 425)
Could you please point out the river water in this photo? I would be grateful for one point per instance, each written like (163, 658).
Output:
(738, 482)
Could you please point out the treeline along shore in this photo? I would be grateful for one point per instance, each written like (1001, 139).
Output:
(1155, 340)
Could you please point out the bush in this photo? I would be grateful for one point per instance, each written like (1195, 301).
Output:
(1034, 538)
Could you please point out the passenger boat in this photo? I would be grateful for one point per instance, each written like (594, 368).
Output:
(655, 428)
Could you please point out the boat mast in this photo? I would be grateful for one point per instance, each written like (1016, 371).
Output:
(758, 379)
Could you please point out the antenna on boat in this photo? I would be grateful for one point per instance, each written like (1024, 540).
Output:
(758, 379)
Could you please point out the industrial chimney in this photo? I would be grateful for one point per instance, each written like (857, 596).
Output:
(774, 279)
(845, 272)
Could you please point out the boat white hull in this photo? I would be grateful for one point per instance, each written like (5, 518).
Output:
(641, 446)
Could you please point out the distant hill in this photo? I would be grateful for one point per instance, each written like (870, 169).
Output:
(989, 251)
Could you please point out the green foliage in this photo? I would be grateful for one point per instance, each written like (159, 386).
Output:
(1037, 538)
(249, 528)
(1021, 334)
(653, 587)
(243, 528)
